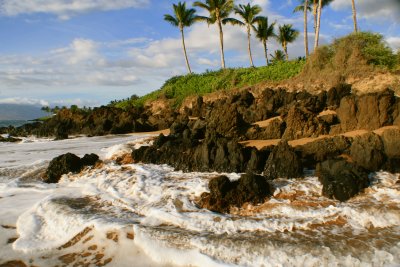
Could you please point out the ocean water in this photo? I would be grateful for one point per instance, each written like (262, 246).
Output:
(146, 215)
(15, 123)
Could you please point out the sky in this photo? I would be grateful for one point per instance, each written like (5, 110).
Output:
(89, 52)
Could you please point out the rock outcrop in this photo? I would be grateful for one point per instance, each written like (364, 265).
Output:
(283, 162)
(67, 163)
(340, 179)
(225, 194)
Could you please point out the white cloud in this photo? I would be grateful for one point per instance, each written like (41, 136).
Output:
(24, 101)
(208, 62)
(63, 8)
(82, 50)
(372, 9)
(394, 43)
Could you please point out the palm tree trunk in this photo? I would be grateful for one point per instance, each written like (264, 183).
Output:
(285, 49)
(266, 51)
(353, 6)
(305, 28)
(221, 41)
(315, 13)
(184, 51)
(249, 45)
(318, 24)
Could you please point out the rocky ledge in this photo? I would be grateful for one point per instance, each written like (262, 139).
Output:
(279, 134)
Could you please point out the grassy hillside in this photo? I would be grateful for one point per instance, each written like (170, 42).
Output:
(355, 56)
(180, 87)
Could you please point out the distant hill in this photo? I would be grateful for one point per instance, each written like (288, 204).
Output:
(20, 112)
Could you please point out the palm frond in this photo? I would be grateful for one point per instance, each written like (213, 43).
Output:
(208, 20)
(300, 8)
(232, 21)
(172, 20)
(202, 5)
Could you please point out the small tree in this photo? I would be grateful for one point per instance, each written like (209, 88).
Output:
(278, 55)
(249, 15)
(74, 108)
(182, 18)
(264, 31)
(285, 36)
(219, 11)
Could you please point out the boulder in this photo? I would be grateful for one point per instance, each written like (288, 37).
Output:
(67, 163)
(370, 111)
(89, 159)
(340, 179)
(367, 151)
(62, 165)
(322, 149)
(225, 194)
(270, 129)
(225, 120)
(391, 142)
(283, 162)
(335, 94)
(300, 123)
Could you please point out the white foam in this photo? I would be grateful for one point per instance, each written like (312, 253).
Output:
(172, 230)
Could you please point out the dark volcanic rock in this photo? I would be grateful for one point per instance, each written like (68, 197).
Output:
(322, 149)
(369, 112)
(335, 94)
(341, 180)
(391, 142)
(301, 122)
(274, 130)
(62, 165)
(283, 162)
(67, 163)
(9, 139)
(89, 159)
(225, 120)
(225, 194)
(367, 151)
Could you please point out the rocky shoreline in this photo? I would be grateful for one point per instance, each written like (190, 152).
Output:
(342, 136)
(272, 134)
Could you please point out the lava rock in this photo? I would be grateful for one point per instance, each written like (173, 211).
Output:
(62, 165)
(67, 163)
(89, 159)
(283, 162)
(9, 139)
(340, 179)
(367, 151)
(323, 149)
(300, 122)
(225, 194)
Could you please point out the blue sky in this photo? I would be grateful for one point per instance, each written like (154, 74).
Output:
(88, 52)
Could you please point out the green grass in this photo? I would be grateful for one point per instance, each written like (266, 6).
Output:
(180, 87)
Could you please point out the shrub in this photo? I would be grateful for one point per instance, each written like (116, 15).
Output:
(354, 56)
(179, 87)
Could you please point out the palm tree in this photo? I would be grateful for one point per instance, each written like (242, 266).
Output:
(318, 24)
(353, 6)
(182, 18)
(287, 35)
(219, 13)
(249, 15)
(304, 7)
(264, 32)
(278, 55)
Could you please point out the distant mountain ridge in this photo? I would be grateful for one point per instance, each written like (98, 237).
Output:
(20, 112)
